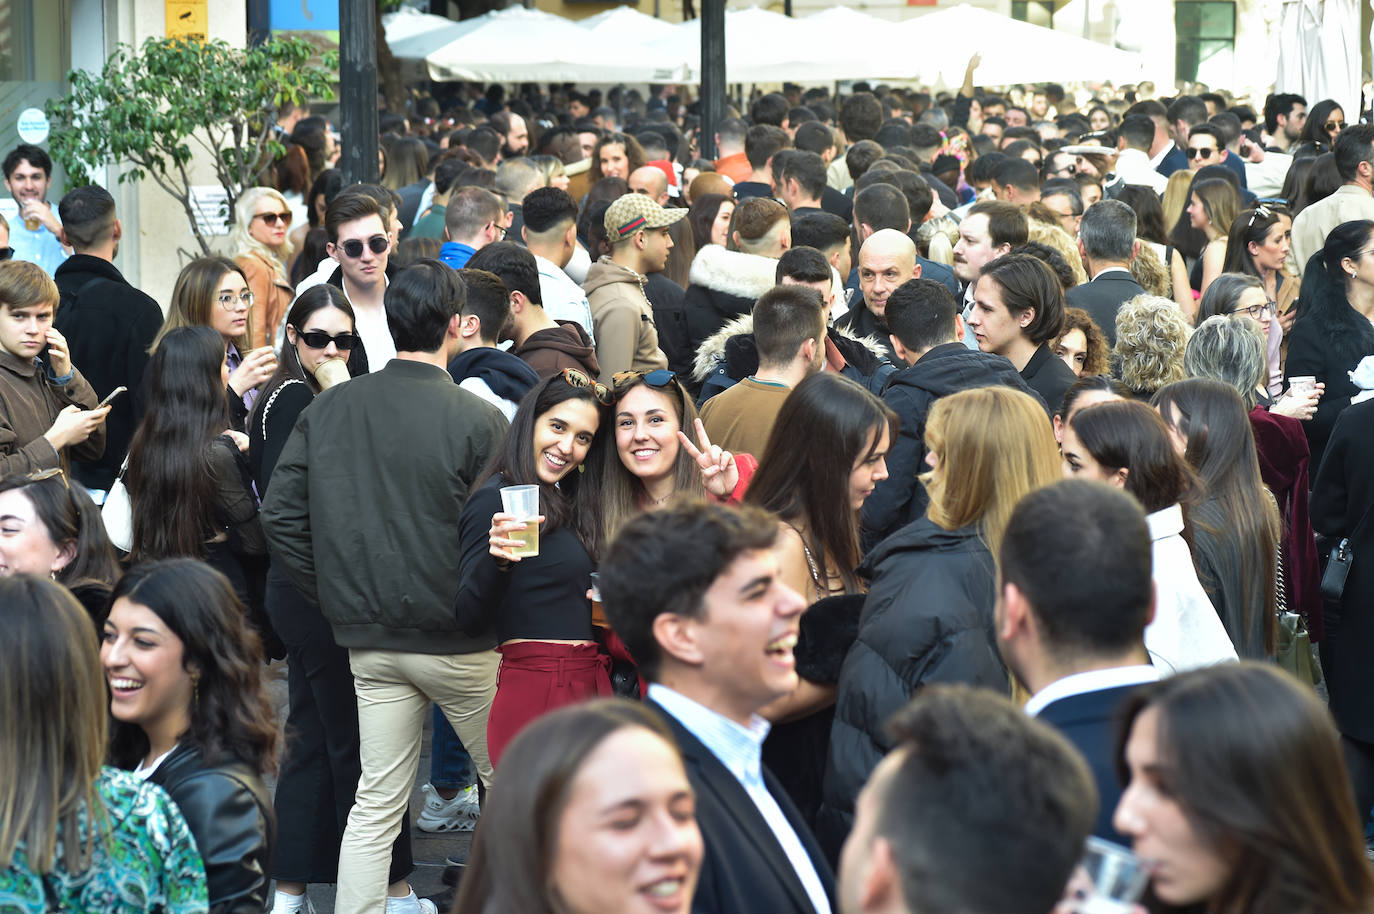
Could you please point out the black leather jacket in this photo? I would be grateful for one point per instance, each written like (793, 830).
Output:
(229, 811)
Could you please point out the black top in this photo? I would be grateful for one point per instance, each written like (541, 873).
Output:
(1048, 376)
(543, 597)
(272, 425)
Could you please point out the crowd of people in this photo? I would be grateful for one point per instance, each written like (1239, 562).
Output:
(924, 485)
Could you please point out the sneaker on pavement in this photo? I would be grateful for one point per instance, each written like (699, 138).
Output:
(282, 903)
(410, 904)
(439, 815)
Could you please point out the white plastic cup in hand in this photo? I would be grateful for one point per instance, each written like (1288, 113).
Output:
(522, 503)
(1117, 875)
(1302, 386)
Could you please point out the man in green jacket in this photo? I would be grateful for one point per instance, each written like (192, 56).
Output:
(362, 515)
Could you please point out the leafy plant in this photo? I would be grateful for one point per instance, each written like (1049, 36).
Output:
(153, 107)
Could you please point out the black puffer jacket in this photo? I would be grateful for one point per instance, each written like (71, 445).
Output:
(229, 812)
(928, 618)
(946, 369)
(723, 286)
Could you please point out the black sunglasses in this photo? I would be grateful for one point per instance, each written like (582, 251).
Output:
(318, 339)
(1203, 152)
(354, 248)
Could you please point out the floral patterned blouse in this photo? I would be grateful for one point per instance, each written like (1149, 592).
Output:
(147, 860)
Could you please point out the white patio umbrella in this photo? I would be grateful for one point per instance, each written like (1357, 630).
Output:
(407, 22)
(1013, 51)
(523, 44)
(624, 24)
(1319, 52)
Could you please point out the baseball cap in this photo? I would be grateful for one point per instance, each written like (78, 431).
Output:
(632, 212)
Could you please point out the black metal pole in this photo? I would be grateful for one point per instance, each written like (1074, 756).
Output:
(712, 73)
(358, 90)
(787, 8)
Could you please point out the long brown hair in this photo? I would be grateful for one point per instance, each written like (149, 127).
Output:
(1239, 518)
(622, 494)
(510, 867)
(994, 445)
(804, 479)
(1255, 761)
(196, 295)
(230, 714)
(53, 717)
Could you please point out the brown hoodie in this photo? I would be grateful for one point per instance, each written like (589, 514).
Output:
(567, 346)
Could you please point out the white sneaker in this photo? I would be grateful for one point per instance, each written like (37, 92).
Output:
(410, 904)
(283, 903)
(439, 815)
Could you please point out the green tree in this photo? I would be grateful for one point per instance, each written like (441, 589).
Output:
(151, 108)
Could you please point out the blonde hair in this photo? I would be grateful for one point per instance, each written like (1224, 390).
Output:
(1151, 336)
(1175, 197)
(53, 721)
(1055, 237)
(26, 285)
(1148, 270)
(241, 240)
(1000, 446)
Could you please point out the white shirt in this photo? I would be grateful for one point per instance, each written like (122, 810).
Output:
(1092, 681)
(564, 299)
(740, 750)
(1133, 166)
(1186, 632)
(143, 773)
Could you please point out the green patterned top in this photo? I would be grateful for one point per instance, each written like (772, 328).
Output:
(147, 861)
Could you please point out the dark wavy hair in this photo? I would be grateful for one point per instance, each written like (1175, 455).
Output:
(1255, 763)
(634, 153)
(230, 713)
(170, 484)
(1315, 130)
(69, 516)
(511, 864)
(572, 502)
(1325, 284)
(804, 479)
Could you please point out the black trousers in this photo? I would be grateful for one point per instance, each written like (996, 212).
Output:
(320, 767)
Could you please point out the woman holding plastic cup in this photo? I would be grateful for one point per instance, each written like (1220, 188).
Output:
(525, 571)
(1237, 799)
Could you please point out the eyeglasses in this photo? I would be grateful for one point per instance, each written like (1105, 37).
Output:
(274, 218)
(1257, 311)
(1200, 152)
(6, 253)
(229, 299)
(499, 228)
(353, 248)
(49, 473)
(1334, 126)
(575, 378)
(318, 339)
(660, 377)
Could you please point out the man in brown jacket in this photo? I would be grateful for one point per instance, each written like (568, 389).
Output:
(626, 338)
(45, 404)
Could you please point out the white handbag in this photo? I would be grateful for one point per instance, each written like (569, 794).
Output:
(118, 513)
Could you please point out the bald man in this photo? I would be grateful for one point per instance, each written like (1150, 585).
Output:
(650, 180)
(886, 260)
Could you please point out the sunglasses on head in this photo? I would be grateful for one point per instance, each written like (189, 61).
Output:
(318, 339)
(660, 377)
(1259, 212)
(1200, 152)
(274, 218)
(353, 248)
(575, 378)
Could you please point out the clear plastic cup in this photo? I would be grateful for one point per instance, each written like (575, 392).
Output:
(1112, 877)
(522, 503)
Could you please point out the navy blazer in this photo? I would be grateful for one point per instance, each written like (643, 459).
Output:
(1089, 722)
(744, 867)
(1175, 160)
(1102, 298)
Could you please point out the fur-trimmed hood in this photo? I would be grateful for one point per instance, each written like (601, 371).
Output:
(733, 346)
(732, 272)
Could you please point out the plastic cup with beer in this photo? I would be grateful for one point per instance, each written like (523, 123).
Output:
(1111, 879)
(1302, 386)
(522, 503)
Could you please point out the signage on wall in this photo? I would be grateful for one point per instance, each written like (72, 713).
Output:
(188, 19)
